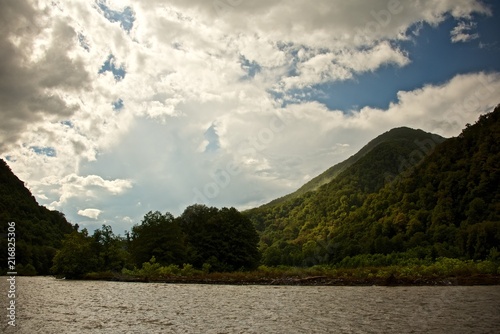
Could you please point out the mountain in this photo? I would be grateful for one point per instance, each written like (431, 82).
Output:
(396, 134)
(407, 192)
(39, 231)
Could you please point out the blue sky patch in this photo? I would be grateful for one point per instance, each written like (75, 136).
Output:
(118, 105)
(109, 66)
(83, 42)
(47, 151)
(251, 67)
(434, 60)
(126, 17)
(68, 124)
(213, 138)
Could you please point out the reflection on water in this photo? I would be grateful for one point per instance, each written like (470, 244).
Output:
(47, 305)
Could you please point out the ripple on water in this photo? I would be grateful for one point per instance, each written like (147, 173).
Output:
(47, 305)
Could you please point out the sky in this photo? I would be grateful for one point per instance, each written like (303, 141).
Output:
(113, 108)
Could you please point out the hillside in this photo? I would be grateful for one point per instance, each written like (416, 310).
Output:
(406, 195)
(39, 231)
(401, 133)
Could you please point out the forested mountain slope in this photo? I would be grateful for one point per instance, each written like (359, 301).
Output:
(410, 195)
(39, 231)
(401, 133)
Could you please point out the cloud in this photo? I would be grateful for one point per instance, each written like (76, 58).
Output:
(343, 65)
(37, 69)
(273, 152)
(112, 103)
(327, 24)
(90, 213)
(52, 69)
(369, 60)
(266, 153)
(462, 32)
(442, 109)
(88, 188)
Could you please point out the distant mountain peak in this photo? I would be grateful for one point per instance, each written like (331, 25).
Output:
(399, 133)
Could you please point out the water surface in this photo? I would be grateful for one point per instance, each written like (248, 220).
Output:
(47, 305)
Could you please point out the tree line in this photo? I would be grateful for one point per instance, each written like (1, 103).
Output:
(201, 237)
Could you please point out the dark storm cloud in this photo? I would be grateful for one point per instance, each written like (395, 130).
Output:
(28, 77)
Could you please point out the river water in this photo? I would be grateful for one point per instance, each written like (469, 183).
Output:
(47, 305)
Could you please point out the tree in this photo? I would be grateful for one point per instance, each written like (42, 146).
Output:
(237, 239)
(159, 236)
(224, 238)
(109, 249)
(76, 256)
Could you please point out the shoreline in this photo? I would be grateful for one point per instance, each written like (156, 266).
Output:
(226, 279)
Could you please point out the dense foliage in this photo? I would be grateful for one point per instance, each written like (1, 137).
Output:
(39, 231)
(201, 238)
(224, 239)
(159, 236)
(409, 194)
(81, 253)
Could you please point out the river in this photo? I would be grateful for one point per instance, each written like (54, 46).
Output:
(47, 305)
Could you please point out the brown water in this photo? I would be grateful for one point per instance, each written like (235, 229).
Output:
(47, 305)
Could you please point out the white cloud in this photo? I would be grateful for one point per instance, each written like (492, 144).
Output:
(89, 187)
(329, 67)
(463, 32)
(186, 68)
(370, 60)
(90, 213)
(319, 69)
(274, 152)
(442, 109)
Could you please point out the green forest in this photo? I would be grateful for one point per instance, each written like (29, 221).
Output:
(411, 196)
(202, 237)
(39, 231)
(408, 198)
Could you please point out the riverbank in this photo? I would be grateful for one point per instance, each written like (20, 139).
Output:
(330, 281)
(344, 278)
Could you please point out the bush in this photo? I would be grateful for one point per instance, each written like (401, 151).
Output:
(150, 269)
(487, 267)
(206, 268)
(188, 270)
(171, 270)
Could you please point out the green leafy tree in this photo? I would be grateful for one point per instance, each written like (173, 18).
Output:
(76, 256)
(158, 235)
(237, 239)
(223, 238)
(110, 249)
